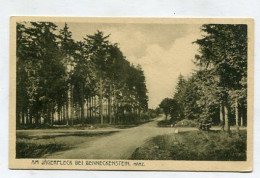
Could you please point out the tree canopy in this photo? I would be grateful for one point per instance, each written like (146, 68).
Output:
(217, 91)
(63, 81)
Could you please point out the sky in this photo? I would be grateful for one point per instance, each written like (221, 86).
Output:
(163, 50)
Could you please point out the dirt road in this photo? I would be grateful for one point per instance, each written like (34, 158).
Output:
(119, 145)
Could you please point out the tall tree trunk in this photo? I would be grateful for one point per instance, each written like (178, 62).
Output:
(27, 116)
(67, 111)
(82, 104)
(101, 101)
(87, 110)
(49, 115)
(136, 113)
(45, 122)
(71, 106)
(94, 106)
(105, 108)
(241, 117)
(36, 119)
(114, 111)
(117, 112)
(91, 109)
(79, 110)
(52, 118)
(30, 117)
(139, 113)
(227, 125)
(114, 108)
(63, 114)
(75, 111)
(221, 116)
(109, 105)
(18, 118)
(23, 118)
(59, 116)
(236, 113)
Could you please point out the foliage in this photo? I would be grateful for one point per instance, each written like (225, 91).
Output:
(165, 123)
(186, 123)
(217, 90)
(166, 106)
(60, 79)
(196, 145)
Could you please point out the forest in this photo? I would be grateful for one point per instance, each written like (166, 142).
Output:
(76, 99)
(61, 81)
(216, 91)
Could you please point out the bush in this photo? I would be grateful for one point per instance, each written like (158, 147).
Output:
(186, 123)
(153, 115)
(195, 145)
(165, 123)
(145, 116)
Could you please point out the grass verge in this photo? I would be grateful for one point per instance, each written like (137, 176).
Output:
(32, 150)
(38, 146)
(194, 145)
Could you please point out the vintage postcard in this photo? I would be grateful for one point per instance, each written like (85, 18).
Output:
(131, 93)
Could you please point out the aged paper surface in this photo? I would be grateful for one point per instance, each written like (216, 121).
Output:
(131, 93)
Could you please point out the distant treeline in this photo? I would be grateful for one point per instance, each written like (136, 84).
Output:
(217, 91)
(63, 81)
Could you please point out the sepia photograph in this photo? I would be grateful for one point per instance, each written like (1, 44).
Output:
(131, 93)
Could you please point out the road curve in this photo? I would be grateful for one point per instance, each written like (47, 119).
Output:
(119, 145)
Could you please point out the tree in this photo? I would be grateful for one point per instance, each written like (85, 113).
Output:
(166, 105)
(217, 90)
(68, 48)
(38, 52)
(59, 77)
(97, 46)
(223, 51)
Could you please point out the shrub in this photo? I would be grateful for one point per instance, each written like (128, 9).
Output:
(145, 116)
(165, 123)
(186, 123)
(195, 145)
